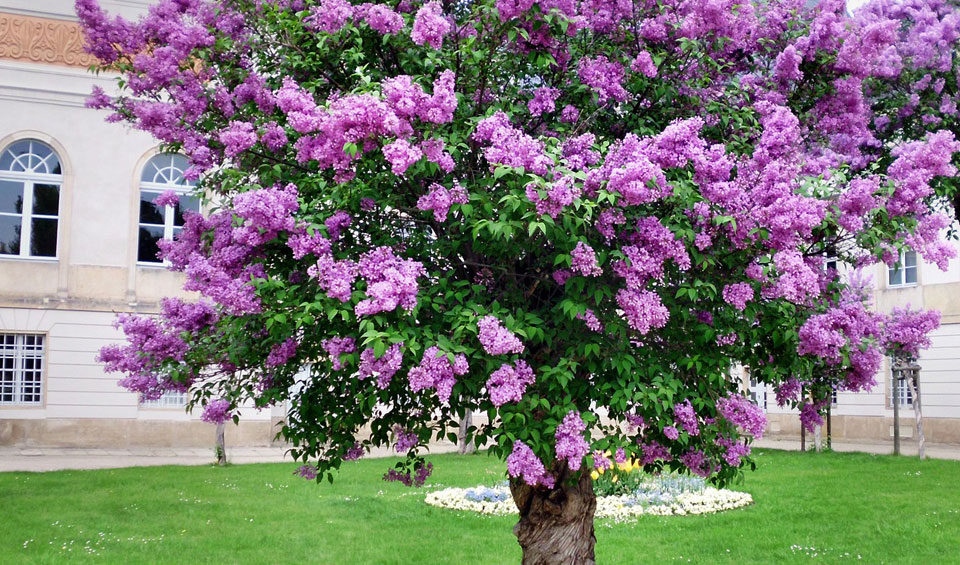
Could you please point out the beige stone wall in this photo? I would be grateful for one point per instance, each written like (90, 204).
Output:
(870, 429)
(119, 434)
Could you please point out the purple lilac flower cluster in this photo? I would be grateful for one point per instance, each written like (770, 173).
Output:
(738, 294)
(600, 460)
(439, 199)
(734, 451)
(405, 440)
(335, 347)
(308, 472)
(643, 310)
(417, 479)
(149, 346)
(437, 372)
(282, 352)
(744, 414)
(686, 416)
(643, 64)
(698, 463)
(604, 76)
(355, 452)
(654, 451)
(810, 416)
(589, 317)
(523, 463)
(558, 195)
(510, 146)
(430, 25)
(217, 411)
(496, 339)
(543, 101)
(384, 367)
(336, 223)
(509, 382)
(608, 220)
(583, 260)
(907, 331)
(571, 446)
(391, 282)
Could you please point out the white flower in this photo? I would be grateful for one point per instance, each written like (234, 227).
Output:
(619, 508)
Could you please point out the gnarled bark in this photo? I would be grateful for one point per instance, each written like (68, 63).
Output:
(556, 525)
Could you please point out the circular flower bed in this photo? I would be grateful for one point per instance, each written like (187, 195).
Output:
(658, 496)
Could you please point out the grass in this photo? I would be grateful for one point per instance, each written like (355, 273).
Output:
(829, 507)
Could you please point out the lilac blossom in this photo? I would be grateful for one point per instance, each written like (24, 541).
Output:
(509, 382)
(217, 411)
(523, 463)
(571, 446)
(496, 339)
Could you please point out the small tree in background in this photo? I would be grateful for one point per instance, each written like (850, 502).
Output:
(904, 337)
(540, 211)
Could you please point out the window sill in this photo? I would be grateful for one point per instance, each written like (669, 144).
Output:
(905, 285)
(29, 258)
(144, 265)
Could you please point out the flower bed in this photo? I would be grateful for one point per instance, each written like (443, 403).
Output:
(658, 496)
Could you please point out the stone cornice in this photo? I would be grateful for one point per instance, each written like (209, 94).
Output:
(42, 40)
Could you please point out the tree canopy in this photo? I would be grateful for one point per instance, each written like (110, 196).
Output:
(573, 217)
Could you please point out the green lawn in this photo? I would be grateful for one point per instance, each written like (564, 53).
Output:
(828, 508)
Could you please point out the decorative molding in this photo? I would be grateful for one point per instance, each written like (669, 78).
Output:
(42, 40)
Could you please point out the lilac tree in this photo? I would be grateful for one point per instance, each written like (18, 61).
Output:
(572, 217)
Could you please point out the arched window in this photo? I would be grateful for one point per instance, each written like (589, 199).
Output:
(30, 182)
(162, 173)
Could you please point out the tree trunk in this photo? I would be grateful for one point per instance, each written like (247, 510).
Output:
(556, 525)
(896, 413)
(817, 439)
(466, 446)
(921, 445)
(221, 449)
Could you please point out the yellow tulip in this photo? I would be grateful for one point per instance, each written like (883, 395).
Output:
(615, 479)
(594, 475)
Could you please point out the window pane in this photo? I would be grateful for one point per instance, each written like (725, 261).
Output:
(147, 248)
(150, 213)
(10, 235)
(44, 238)
(46, 199)
(910, 259)
(910, 275)
(11, 196)
(896, 277)
(187, 203)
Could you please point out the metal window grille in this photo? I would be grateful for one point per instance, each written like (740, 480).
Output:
(901, 389)
(171, 399)
(21, 369)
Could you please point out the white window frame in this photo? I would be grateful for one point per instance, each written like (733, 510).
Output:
(18, 354)
(164, 179)
(170, 399)
(30, 177)
(901, 268)
(900, 389)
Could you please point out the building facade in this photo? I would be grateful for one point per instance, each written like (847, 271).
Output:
(78, 234)
(868, 416)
